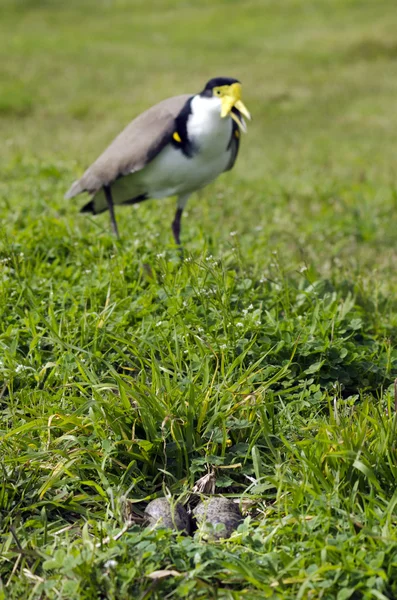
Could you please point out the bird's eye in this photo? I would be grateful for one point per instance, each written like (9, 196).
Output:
(218, 92)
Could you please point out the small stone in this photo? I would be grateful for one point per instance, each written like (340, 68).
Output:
(229, 521)
(161, 513)
(215, 511)
(213, 506)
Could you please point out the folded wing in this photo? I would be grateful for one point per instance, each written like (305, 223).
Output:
(133, 148)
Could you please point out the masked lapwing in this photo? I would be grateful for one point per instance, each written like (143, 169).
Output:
(173, 149)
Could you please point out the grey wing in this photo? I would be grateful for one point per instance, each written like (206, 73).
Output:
(133, 148)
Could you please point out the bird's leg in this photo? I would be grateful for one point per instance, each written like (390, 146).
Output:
(108, 194)
(176, 223)
(176, 226)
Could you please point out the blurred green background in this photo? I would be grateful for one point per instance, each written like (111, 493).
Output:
(320, 77)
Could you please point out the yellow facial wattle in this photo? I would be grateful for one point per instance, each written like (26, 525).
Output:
(230, 97)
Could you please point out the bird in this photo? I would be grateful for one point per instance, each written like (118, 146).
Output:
(174, 148)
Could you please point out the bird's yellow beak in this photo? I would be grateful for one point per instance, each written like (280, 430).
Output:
(231, 98)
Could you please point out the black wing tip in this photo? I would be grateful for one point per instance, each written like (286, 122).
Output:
(89, 207)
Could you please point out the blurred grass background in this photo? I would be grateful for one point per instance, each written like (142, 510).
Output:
(319, 79)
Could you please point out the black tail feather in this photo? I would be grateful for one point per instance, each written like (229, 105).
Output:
(89, 207)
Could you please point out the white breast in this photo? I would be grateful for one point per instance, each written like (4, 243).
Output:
(171, 172)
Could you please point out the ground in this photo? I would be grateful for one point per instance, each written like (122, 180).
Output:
(267, 354)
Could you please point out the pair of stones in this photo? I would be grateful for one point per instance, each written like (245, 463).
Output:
(216, 518)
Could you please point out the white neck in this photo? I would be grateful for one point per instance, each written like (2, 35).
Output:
(205, 126)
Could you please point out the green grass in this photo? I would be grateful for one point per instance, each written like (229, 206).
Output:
(268, 354)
